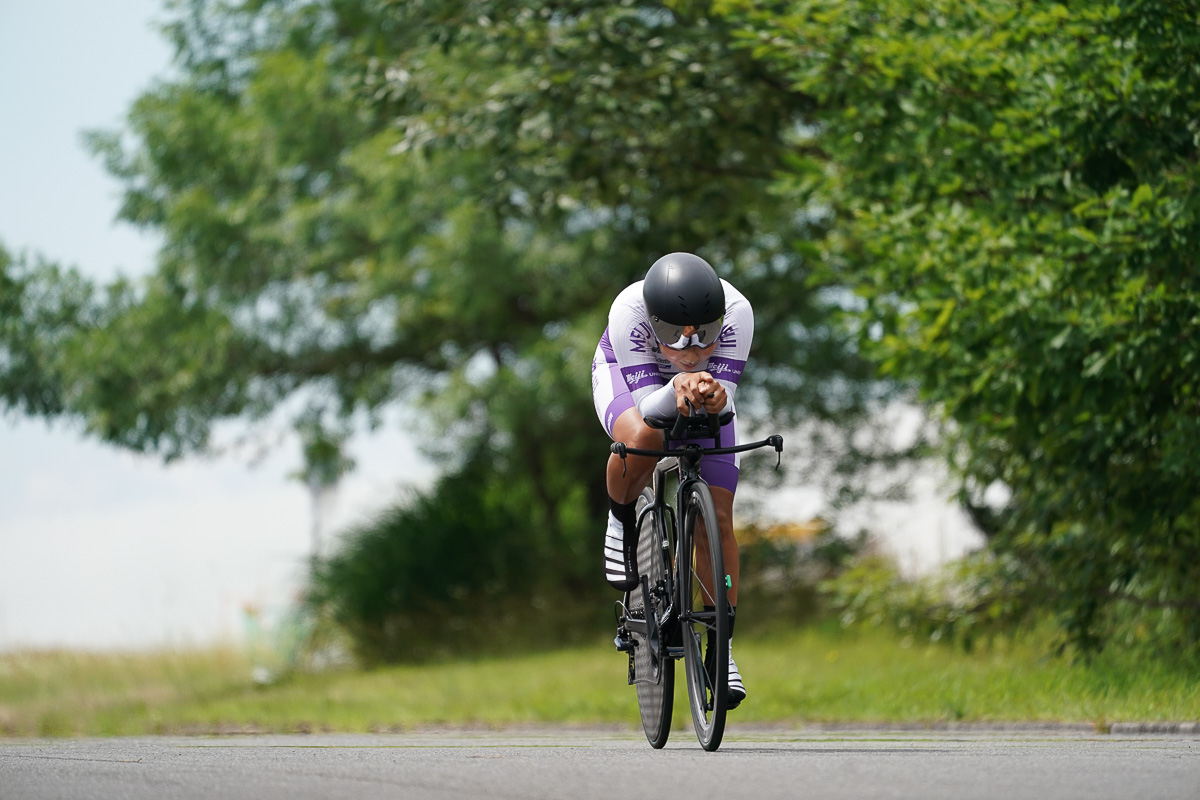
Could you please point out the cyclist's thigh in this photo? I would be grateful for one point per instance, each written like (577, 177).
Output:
(610, 395)
(720, 471)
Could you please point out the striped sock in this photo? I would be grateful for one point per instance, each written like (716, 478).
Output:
(620, 569)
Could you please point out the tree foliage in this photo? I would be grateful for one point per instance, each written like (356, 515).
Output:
(439, 573)
(1015, 191)
(368, 205)
(360, 198)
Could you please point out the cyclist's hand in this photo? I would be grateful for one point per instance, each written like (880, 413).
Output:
(701, 390)
(714, 395)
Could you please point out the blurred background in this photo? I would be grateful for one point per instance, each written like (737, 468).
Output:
(297, 303)
(105, 548)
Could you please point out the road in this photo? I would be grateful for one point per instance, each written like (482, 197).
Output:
(581, 765)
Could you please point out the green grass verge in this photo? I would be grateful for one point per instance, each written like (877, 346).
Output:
(813, 675)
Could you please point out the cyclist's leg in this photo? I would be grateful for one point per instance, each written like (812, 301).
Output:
(622, 422)
(721, 473)
(723, 501)
(626, 479)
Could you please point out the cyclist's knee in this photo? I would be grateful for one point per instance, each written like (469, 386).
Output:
(631, 429)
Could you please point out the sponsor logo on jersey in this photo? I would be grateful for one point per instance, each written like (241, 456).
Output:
(641, 338)
(726, 369)
(641, 375)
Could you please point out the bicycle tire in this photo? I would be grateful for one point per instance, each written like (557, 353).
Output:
(654, 677)
(705, 634)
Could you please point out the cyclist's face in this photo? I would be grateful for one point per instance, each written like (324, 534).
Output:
(690, 358)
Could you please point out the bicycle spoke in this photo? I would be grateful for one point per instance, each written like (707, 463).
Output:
(654, 671)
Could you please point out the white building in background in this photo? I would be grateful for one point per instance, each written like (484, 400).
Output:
(921, 532)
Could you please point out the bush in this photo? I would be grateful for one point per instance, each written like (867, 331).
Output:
(978, 597)
(457, 570)
(781, 576)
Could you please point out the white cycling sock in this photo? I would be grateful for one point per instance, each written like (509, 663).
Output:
(735, 677)
(617, 572)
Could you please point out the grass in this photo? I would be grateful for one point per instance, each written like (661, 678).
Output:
(812, 675)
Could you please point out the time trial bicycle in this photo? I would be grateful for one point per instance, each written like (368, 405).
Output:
(680, 608)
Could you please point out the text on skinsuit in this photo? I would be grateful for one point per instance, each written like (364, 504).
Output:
(640, 338)
(727, 369)
(642, 375)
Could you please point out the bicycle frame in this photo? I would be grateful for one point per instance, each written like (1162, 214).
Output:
(651, 628)
(661, 623)
(685, 461)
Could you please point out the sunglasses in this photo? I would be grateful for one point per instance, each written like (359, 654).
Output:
(672, 335)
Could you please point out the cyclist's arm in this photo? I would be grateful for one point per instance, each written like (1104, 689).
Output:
(699, 390)
(733, 347)
(660, 403)
(632, 343)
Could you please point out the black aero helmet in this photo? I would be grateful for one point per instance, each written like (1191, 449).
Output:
(683, 291)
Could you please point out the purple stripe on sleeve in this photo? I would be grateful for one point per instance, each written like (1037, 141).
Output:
(641, 376)
(606, 348)
(725, 369)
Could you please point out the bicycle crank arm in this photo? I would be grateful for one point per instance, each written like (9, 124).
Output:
(652, 630)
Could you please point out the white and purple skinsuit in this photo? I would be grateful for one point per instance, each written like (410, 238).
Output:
(629, 370)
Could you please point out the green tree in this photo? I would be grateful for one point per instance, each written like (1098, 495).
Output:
(1015, 196)
(367, 204)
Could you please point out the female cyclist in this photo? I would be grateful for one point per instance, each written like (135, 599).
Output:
(681, 335)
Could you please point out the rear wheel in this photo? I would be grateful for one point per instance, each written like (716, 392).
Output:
(653, 669)
(705, 615)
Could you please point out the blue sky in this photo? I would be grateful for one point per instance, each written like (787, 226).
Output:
(101, 548)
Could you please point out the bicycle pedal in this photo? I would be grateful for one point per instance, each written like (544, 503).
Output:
(624, 643)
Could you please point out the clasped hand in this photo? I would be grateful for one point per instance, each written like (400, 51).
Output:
(700, 389)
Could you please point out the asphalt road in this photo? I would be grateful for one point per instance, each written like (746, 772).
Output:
(580, 765)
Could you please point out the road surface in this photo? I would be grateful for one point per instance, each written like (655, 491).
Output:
(582, 765)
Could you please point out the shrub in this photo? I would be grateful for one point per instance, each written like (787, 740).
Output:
(978, 597)
(459, 569)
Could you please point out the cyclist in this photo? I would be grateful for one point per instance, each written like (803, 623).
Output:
(680, 335)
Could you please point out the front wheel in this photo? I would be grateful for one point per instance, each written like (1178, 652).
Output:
(705, 614)
(653, 669)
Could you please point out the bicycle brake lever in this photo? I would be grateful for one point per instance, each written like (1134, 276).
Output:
(777, 442)
(618, 449)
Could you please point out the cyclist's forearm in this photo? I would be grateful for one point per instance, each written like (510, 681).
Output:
(660, 403)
